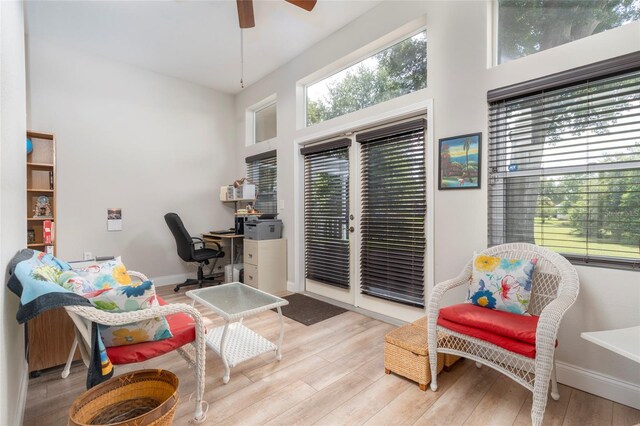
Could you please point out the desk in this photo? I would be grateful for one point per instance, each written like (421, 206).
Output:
(232, 238)
(623, 341)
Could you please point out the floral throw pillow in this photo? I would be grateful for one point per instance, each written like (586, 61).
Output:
(124, 298)
(128, 298)
(107, 274)
(141, 331)
(502, 284)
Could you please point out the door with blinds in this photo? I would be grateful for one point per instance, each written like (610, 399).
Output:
(327, 208)
(365, 217)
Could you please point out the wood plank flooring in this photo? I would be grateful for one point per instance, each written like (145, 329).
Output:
(332, 373)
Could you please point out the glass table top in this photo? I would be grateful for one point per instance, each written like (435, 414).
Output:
(234, 299)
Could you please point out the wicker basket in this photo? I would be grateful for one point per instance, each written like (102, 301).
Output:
(449, 359)
(406, 354)
(143, 397)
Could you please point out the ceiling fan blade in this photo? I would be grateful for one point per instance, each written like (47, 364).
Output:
(307, 5)
(245, 13)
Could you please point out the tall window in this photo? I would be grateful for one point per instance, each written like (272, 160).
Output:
(393, 72)
(326, 212)
(394, 206)
(530, 26)
(564, 163)
(265, 123)
(262, 169)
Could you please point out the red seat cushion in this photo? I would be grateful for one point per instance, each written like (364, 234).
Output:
(182, 327)
(513, 332)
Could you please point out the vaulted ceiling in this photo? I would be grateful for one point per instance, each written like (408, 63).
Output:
(198, 41)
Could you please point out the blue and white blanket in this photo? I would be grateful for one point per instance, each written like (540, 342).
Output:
(39, 280)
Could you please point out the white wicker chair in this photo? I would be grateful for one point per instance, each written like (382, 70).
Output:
(194, 352)
(554, 289)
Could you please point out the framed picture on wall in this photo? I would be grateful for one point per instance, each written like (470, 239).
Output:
(459, 162)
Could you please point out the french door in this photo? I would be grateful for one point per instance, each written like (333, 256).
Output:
(365, 215)
(329, 228)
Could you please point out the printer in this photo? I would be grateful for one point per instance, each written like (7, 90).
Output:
(262, 229)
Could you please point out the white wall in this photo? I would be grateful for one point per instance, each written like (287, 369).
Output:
(13, 206)
(458, 79)
(133, 139)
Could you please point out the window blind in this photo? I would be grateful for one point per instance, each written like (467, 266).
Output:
(326, 213)
(262, 170)
(564, 169)
(393, 199)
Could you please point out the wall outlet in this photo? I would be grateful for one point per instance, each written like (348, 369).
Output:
(88, 255)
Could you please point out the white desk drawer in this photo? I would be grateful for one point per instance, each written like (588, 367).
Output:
(251, 250)
(251, 275)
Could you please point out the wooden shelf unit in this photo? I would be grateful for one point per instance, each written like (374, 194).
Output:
(50, 334)
(41, 181)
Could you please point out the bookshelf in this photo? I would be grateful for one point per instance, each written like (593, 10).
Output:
(41, 192)
(50, 334)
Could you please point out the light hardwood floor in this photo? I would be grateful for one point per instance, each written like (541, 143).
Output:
(332, 373)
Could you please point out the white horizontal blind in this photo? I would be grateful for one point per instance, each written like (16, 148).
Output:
(564, 170)
(393, 199)
(326, 214)
(264, 173)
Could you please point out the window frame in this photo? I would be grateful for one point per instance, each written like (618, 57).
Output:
(251, 121)
(355, 58)
(563, 80)
(494, 28)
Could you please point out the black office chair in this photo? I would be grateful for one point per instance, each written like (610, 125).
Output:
(188, 252)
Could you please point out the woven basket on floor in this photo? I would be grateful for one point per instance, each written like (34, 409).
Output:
(449, 359)
(406, 354)
(143, 397)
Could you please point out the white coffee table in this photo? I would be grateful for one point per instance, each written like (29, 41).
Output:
(234, 342)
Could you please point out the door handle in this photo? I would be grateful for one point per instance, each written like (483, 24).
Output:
(352, 229)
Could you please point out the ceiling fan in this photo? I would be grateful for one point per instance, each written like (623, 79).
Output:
(245, 10)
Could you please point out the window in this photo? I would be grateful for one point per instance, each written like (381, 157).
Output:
(394, 206)
(262, 170)
(564, 164)
(530, 26)
(393, 72)
(265, 122)
(326, 212)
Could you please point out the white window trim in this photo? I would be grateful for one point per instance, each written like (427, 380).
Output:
(250, 119)
(406, 31)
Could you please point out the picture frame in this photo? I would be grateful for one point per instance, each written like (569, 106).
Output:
(460, 162)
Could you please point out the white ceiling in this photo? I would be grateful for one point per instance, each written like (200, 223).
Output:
(198, 41)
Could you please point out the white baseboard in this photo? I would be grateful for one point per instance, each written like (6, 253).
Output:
(599, 384)
(22, 395)
(171, 279)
